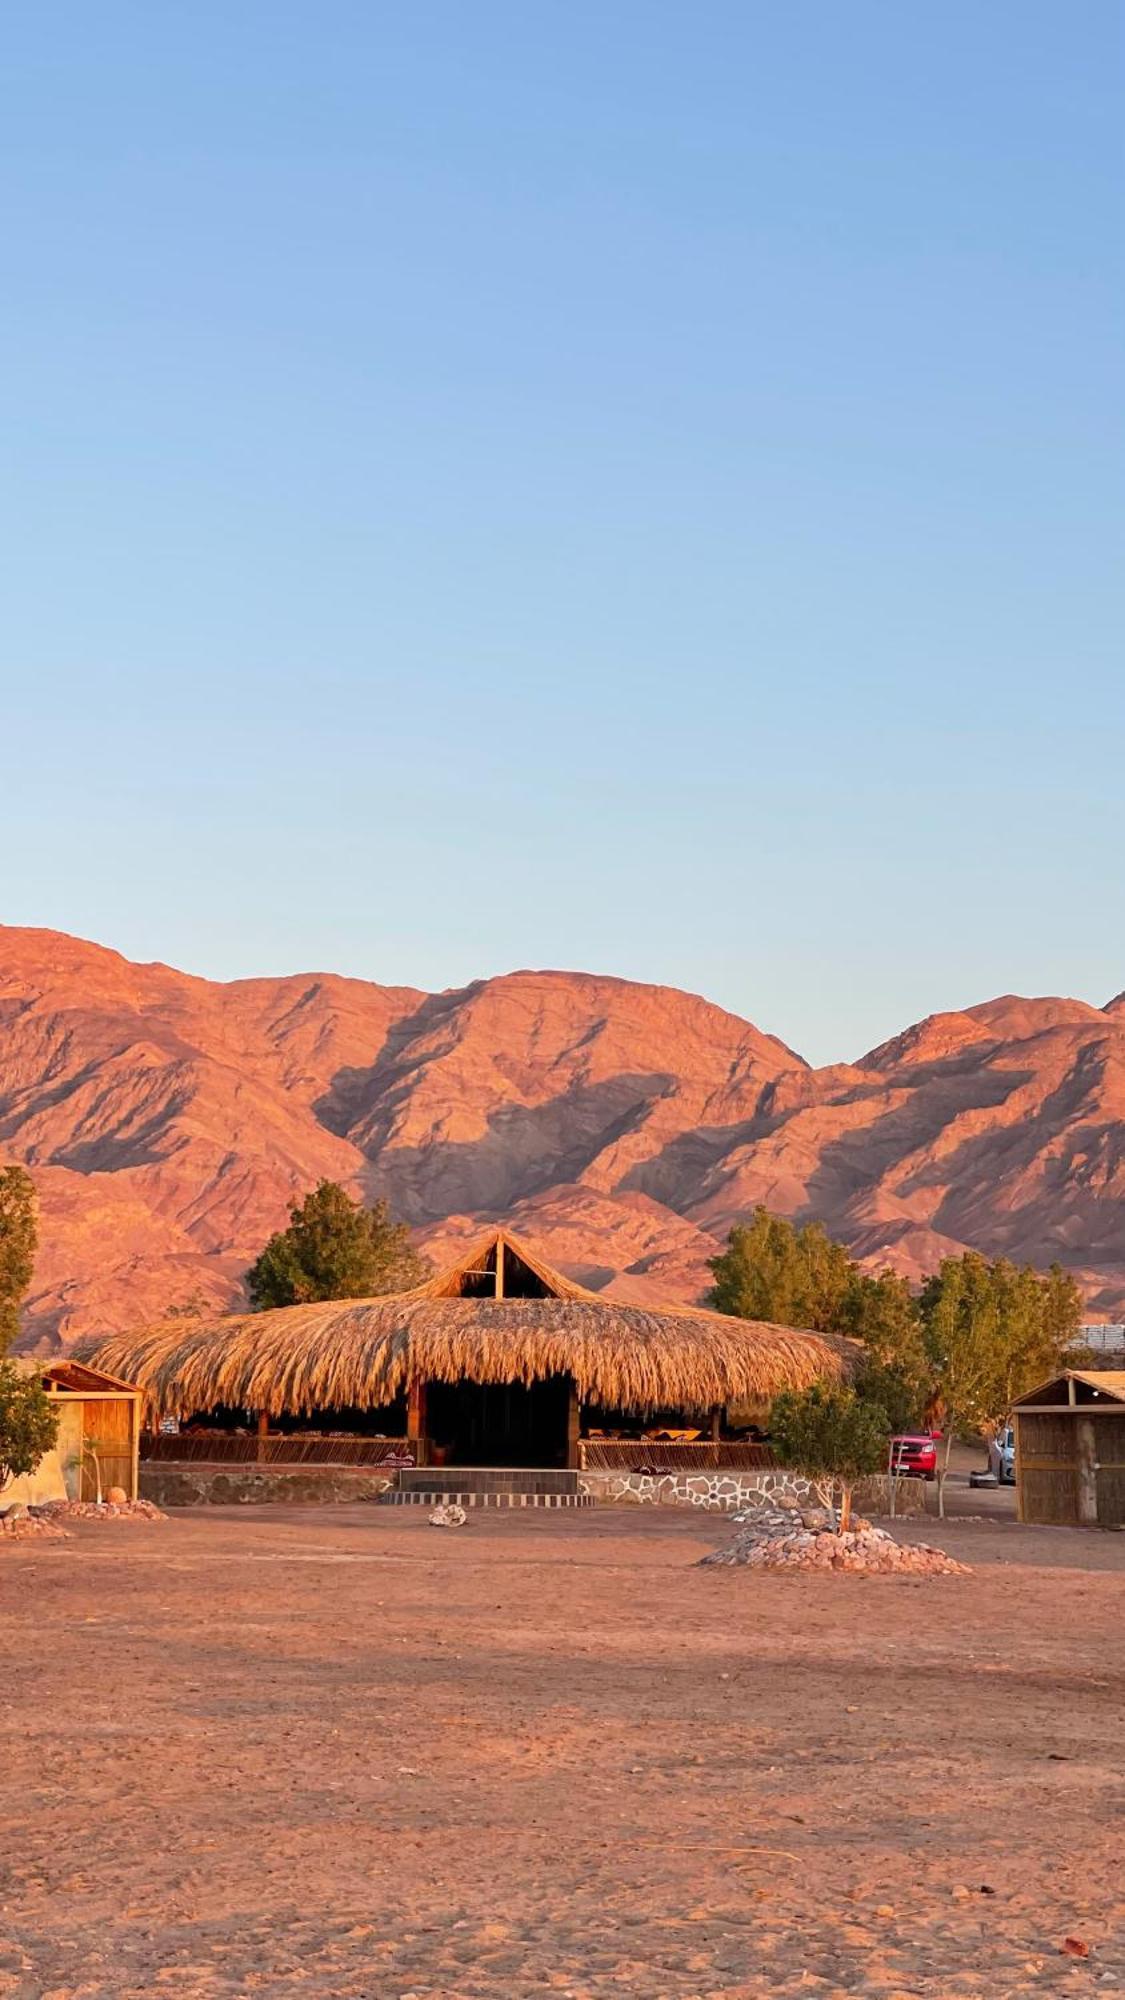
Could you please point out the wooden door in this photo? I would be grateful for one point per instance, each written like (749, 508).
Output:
(108, 1427)
(1110, 1435)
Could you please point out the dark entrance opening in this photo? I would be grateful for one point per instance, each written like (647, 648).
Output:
(498, 1423)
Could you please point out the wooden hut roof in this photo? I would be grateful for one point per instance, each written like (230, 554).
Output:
(1054, 1393)
(75, 1377)
(361, 1353)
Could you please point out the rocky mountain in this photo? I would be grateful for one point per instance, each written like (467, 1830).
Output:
(169, 1121)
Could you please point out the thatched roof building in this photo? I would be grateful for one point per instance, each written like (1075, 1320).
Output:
(498, 1315)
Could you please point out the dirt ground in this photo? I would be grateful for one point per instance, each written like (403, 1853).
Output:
(338, 1752)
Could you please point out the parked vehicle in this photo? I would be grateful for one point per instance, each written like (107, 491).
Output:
(1002, 1455)
(914, 1455)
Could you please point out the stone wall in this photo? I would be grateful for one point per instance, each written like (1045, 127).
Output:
(187, 1484)
(726, 1492)
(172, 1484)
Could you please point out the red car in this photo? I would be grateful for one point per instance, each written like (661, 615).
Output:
(914, 1455)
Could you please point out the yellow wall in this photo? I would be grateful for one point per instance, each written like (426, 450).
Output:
(45, 1483)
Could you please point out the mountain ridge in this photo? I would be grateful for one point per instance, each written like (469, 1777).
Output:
(169, 1120)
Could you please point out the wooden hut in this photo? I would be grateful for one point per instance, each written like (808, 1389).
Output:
(494, 1361)
(1070, 1450)
(99, 1436)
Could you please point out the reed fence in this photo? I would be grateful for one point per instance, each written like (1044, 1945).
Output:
(649, 1455)
(220, 1448)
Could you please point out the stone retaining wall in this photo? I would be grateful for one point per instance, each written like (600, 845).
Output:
(726, 1492)
(199, 1485)
(195, 1485)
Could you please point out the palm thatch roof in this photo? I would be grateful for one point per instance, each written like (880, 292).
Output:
(500, 1314)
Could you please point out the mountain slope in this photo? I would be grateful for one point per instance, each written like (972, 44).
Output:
(169, 1121)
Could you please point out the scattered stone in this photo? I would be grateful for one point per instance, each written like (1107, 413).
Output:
(804, 1538)
(1076, 1947)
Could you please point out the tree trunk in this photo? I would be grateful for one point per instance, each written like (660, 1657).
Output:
(845, 1519)
(944, 1473)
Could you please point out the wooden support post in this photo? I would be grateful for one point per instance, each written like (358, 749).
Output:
(573, 1427)
(1086, 1471)
(416, 1421)
(716, 1431)
(263, 1434)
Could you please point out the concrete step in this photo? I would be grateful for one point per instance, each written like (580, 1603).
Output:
(446, 1496)
(460, 1479)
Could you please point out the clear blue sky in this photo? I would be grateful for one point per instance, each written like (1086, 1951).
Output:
(624, 486)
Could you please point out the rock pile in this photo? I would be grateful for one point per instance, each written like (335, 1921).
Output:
(804, 1538)
(448, 1514)
(19, 1523)
(23, 1524)
(89, 1510)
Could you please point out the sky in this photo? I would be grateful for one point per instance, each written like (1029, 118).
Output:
(628, 487)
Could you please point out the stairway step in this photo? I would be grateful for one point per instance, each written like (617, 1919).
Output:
(486, 1479)
(414, 1496)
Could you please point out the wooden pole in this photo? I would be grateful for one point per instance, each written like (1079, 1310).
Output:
(136, 1452)
(416, 1420)
(573, 1426)
(263, 1434)
(499, 1267)
(716, 1430)
(1086, 1472)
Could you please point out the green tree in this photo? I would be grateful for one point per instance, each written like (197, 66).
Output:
(882, 1313)
(334, 1248)
(800, 1277)
(773, 1270)
(832, 1436)
(900, 1392)
(29, 1422)
(992, 1329)
(19, 1235)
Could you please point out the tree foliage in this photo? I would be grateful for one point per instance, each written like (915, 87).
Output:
(830, 1435)
(901, 1390)
(978, 1334)
(19, 1235)
(334, 1248)
(773, 1270)
(29, 1422)
(992, 1329)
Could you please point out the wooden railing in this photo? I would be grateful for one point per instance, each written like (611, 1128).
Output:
(221, 1448)
(649, 1455)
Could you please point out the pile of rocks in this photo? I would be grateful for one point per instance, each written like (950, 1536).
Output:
(804, 1538)
(20, 1522)
(109, 1510)
(448, 1514)
(24, 1524)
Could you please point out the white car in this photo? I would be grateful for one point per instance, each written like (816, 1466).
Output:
(1002, 1455)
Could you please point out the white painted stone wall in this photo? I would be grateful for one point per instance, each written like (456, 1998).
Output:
(726, 1492)
(722, 1492)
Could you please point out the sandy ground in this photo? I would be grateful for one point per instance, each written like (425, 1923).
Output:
(337, 1752)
